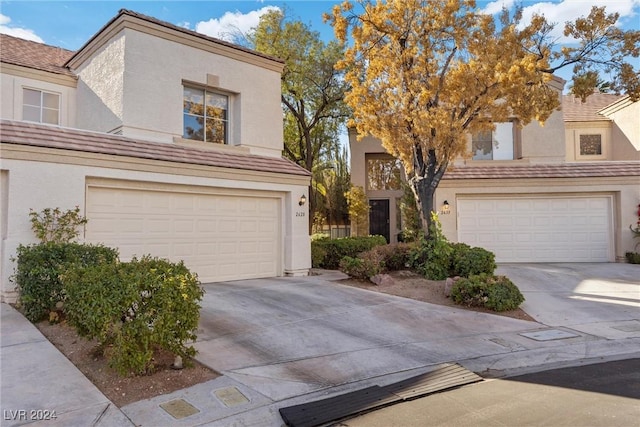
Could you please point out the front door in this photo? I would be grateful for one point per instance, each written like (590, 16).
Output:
(379, 218)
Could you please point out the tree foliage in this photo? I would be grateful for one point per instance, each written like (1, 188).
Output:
(427, 73)
(312, 88)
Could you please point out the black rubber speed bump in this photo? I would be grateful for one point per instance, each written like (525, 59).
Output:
(332, 409)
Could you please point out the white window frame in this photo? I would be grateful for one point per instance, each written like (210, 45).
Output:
(503, 143)
(41, 107)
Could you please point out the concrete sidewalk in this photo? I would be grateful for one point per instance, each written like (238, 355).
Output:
(40, 386)
(285, 341)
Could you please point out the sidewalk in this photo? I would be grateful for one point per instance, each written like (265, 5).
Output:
(39, 384)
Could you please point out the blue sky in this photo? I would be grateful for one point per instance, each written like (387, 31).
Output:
(69, 24)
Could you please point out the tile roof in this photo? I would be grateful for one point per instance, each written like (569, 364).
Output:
(34, 55)
(574, 110)
(560, 170)
(33, 134)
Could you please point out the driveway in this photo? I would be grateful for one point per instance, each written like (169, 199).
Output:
(289, 336)
(286, 341)
(601, 299)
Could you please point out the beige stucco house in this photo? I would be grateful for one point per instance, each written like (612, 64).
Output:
(563, 192)
(169, 141)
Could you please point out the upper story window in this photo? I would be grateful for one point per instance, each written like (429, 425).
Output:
(39, 106)
(384, 173)
(494, 145)
(205, 116)
(590, 144)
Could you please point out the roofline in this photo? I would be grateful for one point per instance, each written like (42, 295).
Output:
(616, 106)
(20, 131)
(20, 70)
(146, 24)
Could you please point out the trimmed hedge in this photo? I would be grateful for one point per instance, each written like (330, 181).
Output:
(469, 261)
(327, 253)
(38, 270)
(134, 308)
(496, 293)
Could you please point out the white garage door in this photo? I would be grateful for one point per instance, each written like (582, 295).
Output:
(539, 229)
(220, 237)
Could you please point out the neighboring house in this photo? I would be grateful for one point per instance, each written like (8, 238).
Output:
(169, 141)
(563, 192)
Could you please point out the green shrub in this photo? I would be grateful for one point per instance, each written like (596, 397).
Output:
(55, 225)
(431, 257)
(135, 307)
(496, 293)
(327, 253)
(633, 257)
(38, 270)
(394, 256)
(467, 261)
(360, 268)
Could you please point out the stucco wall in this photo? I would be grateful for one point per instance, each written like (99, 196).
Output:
(626, 133)
(38, 185)
(100, 88)
(134, 85)
(573, 130)
(544, 143)
(11, 101)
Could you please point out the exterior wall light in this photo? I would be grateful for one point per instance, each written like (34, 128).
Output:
(303, 200)
(445, 208)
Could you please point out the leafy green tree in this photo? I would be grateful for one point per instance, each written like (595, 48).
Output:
(426, 73)
(312, 90)
(358, 211)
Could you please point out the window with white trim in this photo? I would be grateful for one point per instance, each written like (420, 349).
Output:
(494, 145)
(205, 116)
(40, 106)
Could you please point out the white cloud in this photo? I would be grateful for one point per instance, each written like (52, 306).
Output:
(496, 6)
(232, 23)
(22, 33)
(568, 10)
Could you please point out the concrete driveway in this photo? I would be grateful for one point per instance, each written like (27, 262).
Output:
(289, 336)
(599, 299)
(285, 341)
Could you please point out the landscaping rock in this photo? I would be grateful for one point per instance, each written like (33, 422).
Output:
(448, 285)
(382, 280)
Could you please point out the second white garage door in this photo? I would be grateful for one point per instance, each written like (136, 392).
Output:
(539, 229)
(218, 236)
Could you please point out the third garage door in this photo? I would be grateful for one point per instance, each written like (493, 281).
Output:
(539, 229)
(219, 236)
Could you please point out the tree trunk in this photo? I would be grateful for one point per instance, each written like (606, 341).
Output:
(424, 184)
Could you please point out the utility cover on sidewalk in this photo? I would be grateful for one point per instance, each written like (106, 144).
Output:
(231, 397)
(179, 408)
(335, 408)
(549, 335)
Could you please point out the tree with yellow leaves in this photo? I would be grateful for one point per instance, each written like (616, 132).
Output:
(425, 74)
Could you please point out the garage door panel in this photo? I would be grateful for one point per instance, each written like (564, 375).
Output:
(219, 237)
(545, 229)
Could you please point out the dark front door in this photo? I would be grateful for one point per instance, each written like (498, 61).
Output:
(379, 218)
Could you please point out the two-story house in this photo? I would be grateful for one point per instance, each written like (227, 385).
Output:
(563, 192)
(169, 141)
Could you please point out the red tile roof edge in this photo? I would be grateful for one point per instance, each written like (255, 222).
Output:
(38, 135)
(562, 170)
